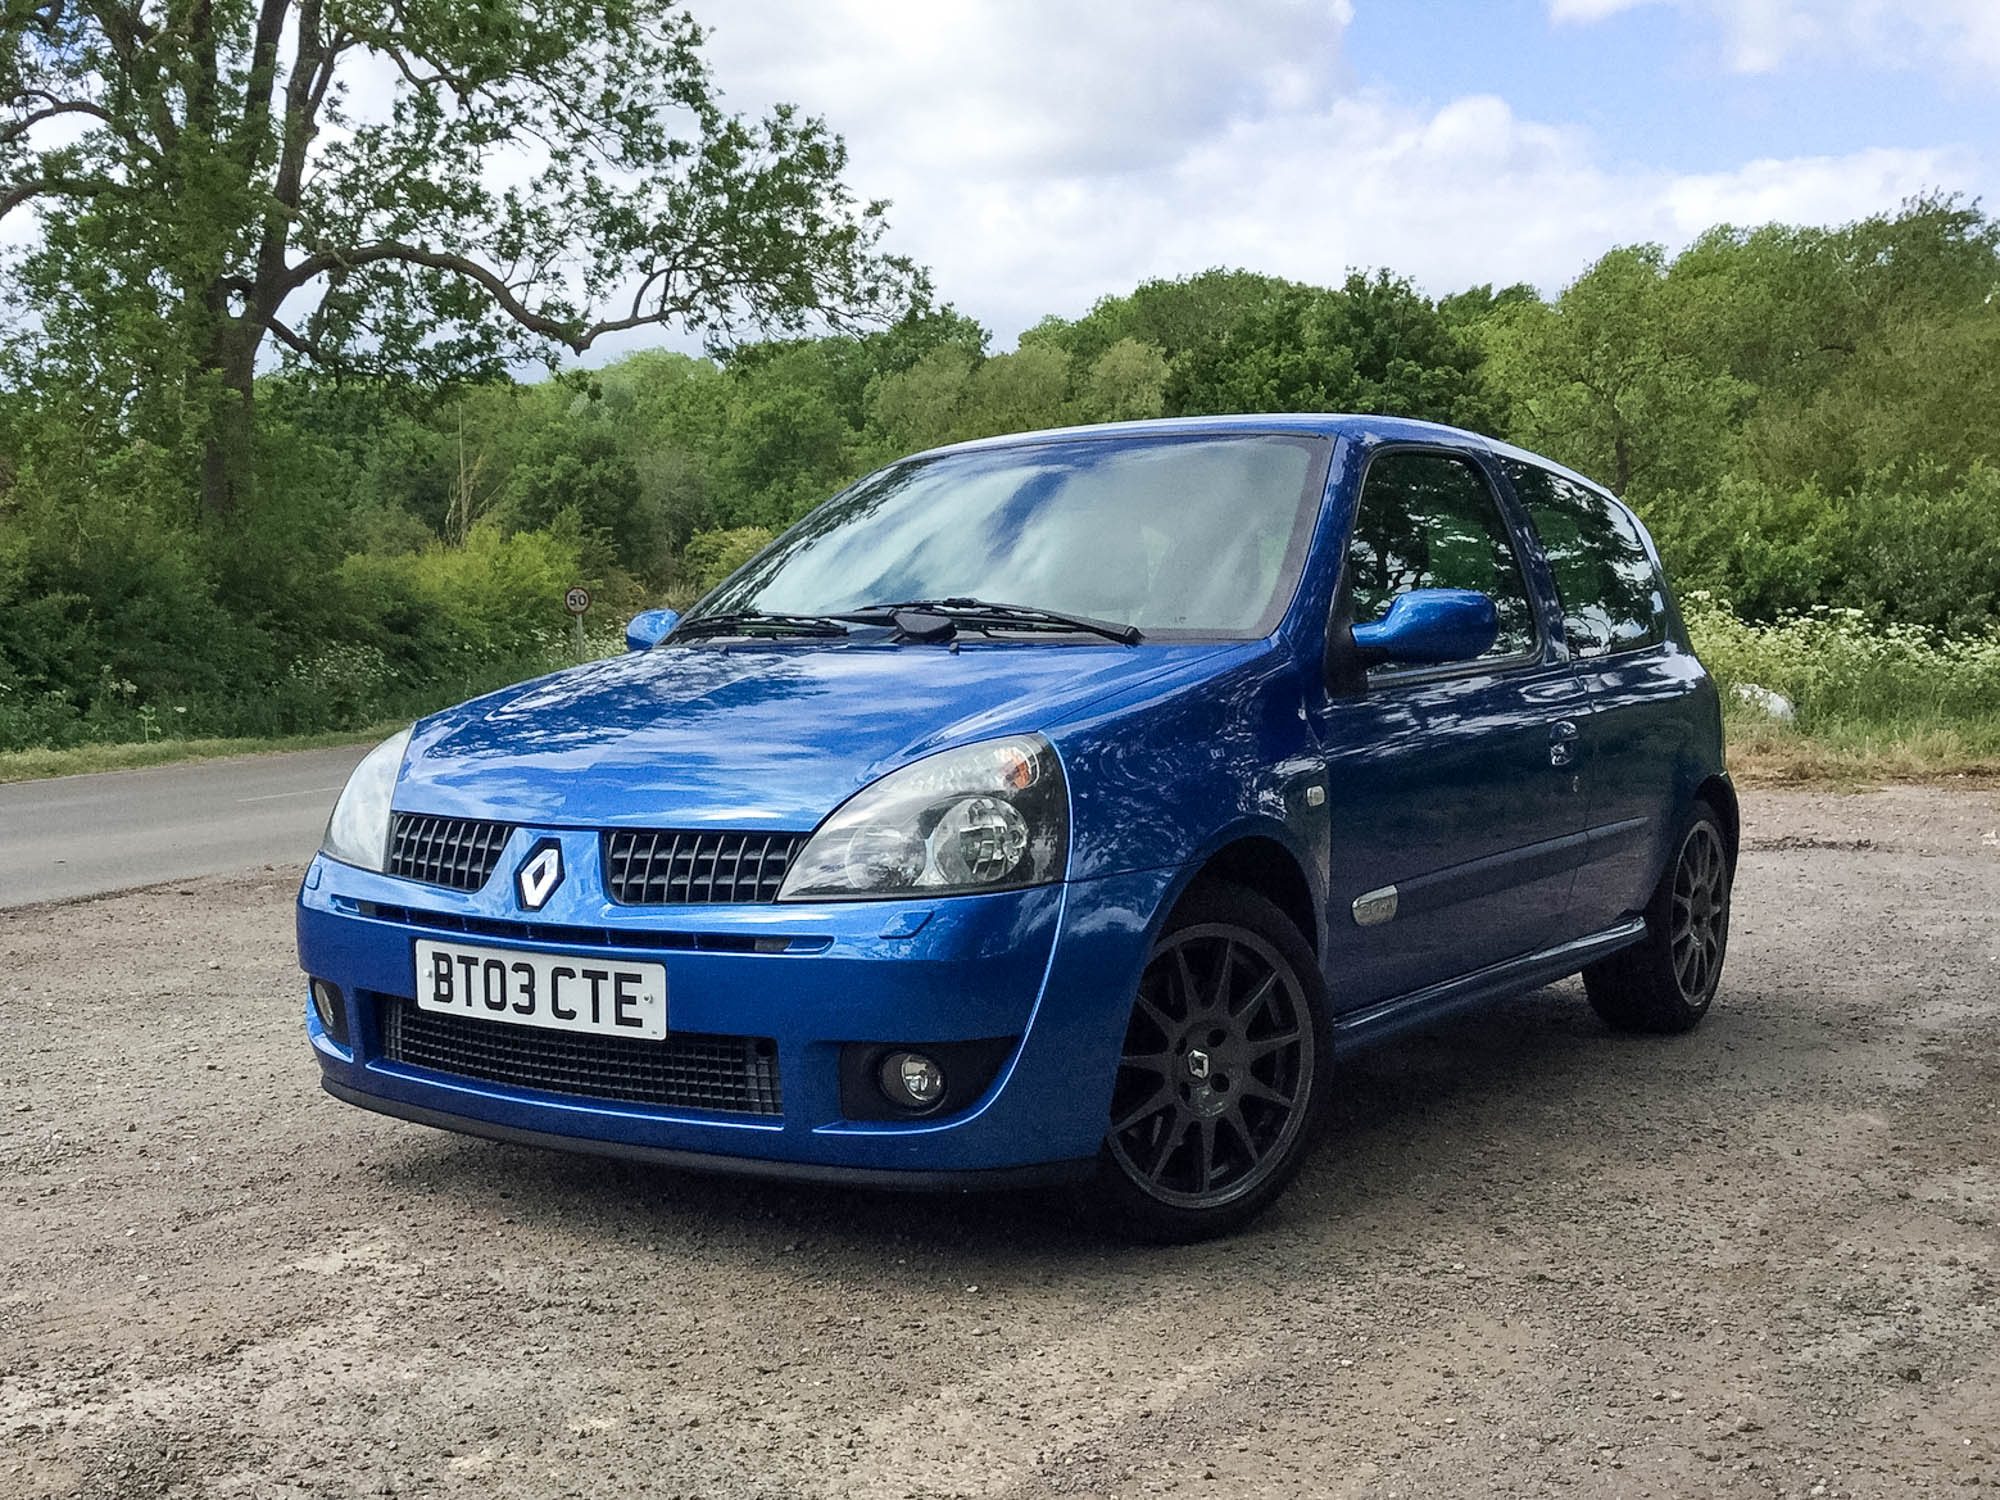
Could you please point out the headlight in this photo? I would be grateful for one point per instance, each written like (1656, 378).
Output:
(358, 831)
(987, 817)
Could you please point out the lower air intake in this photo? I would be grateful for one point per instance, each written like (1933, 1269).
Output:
(687, 1070)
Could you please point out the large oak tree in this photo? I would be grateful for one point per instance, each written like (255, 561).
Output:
(433, 188)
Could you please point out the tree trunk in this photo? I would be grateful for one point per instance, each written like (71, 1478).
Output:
(229, 452)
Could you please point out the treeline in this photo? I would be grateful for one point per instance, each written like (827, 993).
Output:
(1806, 417)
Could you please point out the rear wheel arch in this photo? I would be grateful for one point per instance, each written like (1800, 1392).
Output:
(1719, 793)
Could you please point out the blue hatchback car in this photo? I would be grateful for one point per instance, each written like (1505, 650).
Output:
(1056, 805)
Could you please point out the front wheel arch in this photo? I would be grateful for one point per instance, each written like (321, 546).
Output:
(1258, 863)
(1140, 1212)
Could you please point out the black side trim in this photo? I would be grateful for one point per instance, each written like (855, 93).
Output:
(1493, 873)
(969, 1180)
(1609, 838)
(1358, 1028)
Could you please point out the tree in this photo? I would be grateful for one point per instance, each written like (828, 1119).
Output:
(1374, 345)
(1789, 353)
(1620, 377)
(1126, 383)
(207, 179)
(582, 469)
(918, 407)
(1875, 344)
(1173, 316)
(1016, 392)
(785, 442)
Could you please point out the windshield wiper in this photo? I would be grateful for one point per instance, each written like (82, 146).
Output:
(756, 622)
(989, 614)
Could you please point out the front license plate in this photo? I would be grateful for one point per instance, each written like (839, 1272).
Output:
(560, 991)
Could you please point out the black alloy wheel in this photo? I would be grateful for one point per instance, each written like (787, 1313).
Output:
(1220, 1076)
(1700, 920)
(1667, 981)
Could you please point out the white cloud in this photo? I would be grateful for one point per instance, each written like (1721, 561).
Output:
(1760, 36)
(1811, 190)
(1031, 86)
(1469, 193)
(1040, 155)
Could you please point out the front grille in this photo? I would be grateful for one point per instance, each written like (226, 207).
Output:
(455, 852)
(685, 1071)
(648, 867)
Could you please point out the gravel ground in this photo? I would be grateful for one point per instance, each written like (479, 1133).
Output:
(1530, 1257)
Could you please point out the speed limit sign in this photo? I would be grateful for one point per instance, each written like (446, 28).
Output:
(577, 600)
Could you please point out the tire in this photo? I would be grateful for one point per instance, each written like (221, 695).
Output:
(1223, 1074)
(1666, 983)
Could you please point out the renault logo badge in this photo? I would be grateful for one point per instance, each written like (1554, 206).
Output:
(539, 874)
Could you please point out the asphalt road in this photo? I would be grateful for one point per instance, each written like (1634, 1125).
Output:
(85, 835)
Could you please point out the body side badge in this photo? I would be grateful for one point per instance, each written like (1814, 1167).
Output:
(1373, 908)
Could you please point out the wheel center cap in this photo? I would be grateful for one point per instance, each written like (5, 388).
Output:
(1198, 1064)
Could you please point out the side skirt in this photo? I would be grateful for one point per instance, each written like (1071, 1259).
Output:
(1365, 1027)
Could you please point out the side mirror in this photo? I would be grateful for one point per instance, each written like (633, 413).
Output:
(1428, 627)
(649, 627)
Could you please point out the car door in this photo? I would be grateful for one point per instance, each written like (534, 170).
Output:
(1618, 624)
(1457, 820)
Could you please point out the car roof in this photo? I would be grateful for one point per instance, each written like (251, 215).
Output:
(1368, 429)
(1322, 424)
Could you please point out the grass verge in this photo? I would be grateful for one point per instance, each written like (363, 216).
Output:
(36, 765)
(1848, 757)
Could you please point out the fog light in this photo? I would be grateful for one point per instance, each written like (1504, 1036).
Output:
(912, 1080)
(327, 1006)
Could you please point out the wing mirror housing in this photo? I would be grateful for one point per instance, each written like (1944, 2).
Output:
(1429, 627)
(649, 627)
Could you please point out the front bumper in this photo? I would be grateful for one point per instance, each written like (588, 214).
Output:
(1051, 969)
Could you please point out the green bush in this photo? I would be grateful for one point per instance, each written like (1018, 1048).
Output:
(1839, 669)
(1921, 547)
(126, 641)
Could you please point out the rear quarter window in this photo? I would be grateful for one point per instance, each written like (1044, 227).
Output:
(1613, 597)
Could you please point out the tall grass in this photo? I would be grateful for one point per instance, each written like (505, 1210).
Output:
(1870, 700)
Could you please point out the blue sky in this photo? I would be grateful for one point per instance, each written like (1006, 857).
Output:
(1041, 153)
(1659, 83)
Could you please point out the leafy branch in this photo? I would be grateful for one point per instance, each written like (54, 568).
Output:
(542, 177)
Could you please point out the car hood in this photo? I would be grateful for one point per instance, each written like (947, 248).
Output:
(751, 737)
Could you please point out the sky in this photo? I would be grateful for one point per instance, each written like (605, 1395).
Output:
(1043, 153)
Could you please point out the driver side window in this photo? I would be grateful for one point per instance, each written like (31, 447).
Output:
(1429, 521)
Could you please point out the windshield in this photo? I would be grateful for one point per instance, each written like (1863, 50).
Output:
(1177, 535)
